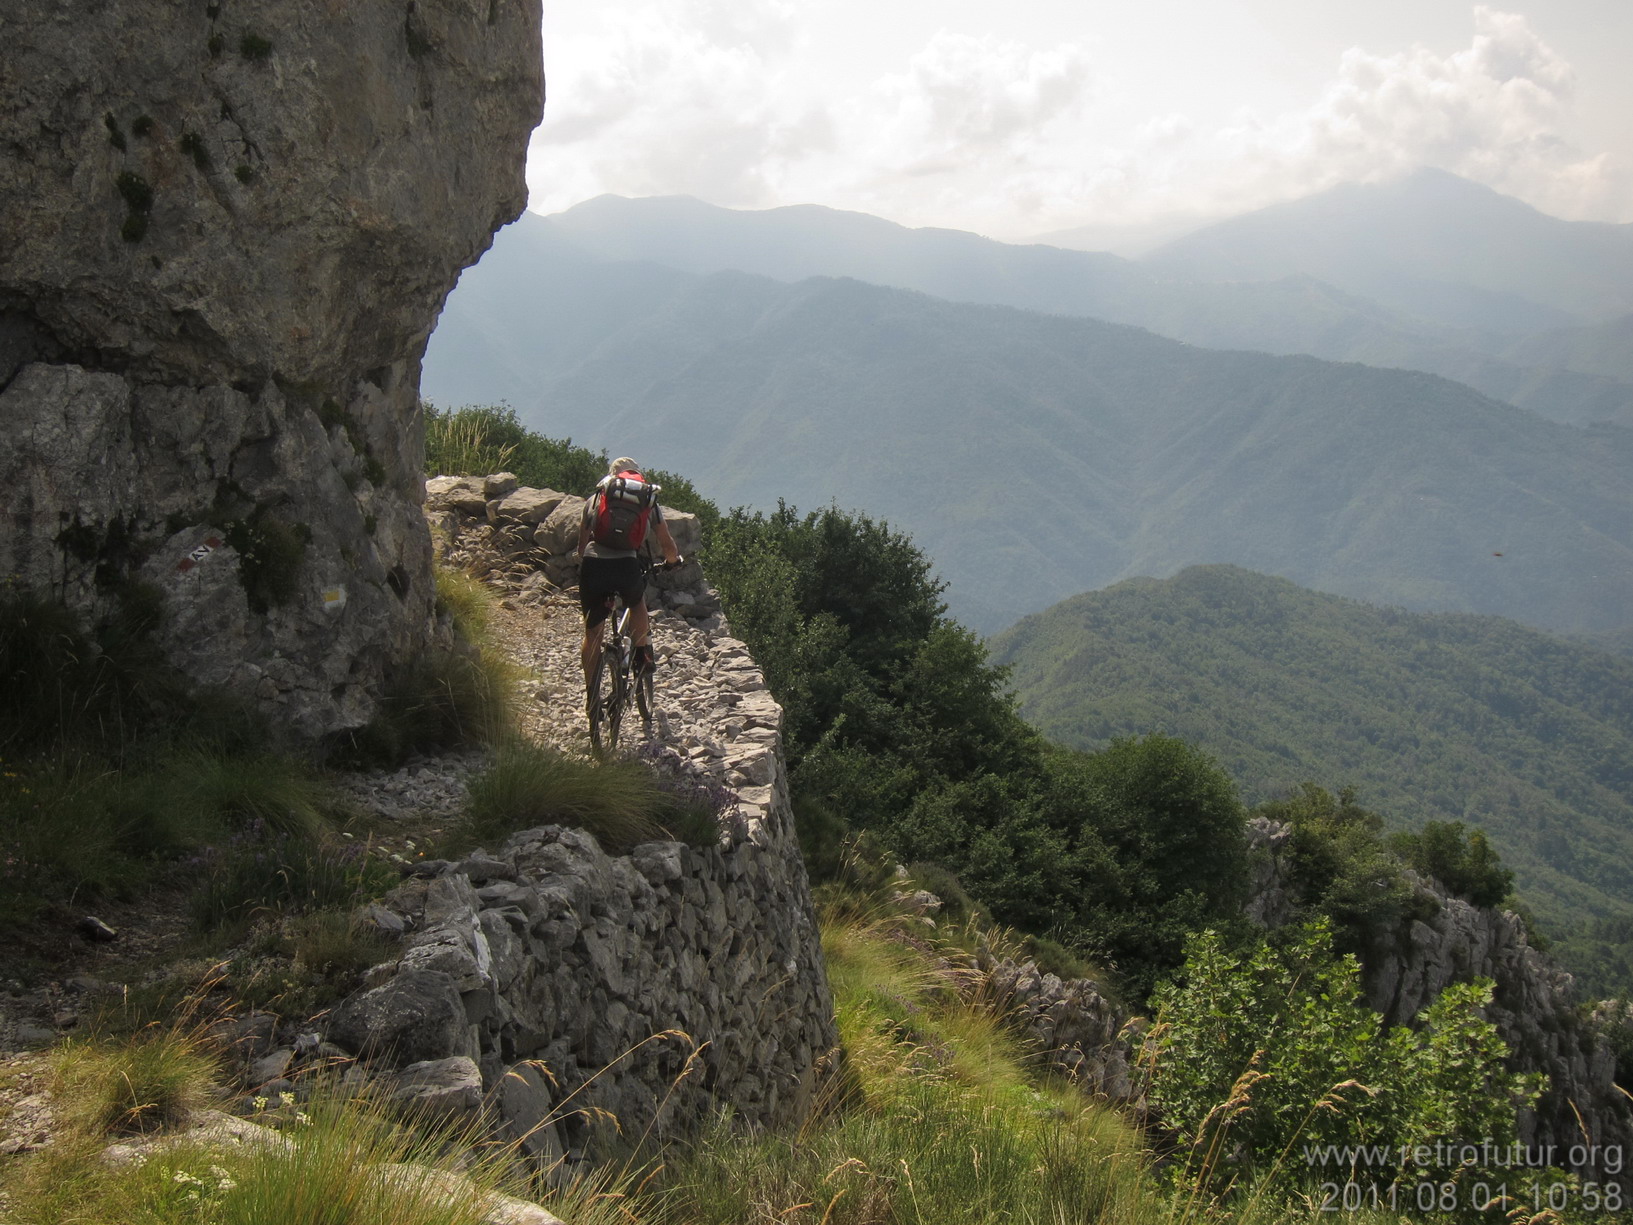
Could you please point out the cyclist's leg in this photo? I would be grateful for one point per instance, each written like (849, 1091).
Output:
(590, 651)
(640, 630)
(640, 623)
(595, 600)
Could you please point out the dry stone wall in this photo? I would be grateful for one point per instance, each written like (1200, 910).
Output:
(229, 230)
(1079, 1033)
(565, 987)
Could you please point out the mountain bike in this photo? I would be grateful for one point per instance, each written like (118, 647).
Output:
(617, 681)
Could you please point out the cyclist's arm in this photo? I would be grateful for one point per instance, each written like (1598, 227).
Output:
(671, 555)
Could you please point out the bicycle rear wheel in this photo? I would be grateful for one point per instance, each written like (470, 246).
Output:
(643, 700)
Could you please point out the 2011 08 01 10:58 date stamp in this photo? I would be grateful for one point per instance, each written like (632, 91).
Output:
(1356, 1195)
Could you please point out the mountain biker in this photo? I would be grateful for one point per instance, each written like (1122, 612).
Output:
(608, 566)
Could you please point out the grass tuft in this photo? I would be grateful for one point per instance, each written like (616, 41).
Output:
(77, 826)
(63, 682)
(468, 603)
(157, 1079)
(530, 785)
(336, 1161)
(255, 874)
(457, 444)
(939, 1121)
(463, 696)
(442, 699)
(256, 792)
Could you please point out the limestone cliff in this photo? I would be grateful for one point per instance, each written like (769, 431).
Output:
(229, 229)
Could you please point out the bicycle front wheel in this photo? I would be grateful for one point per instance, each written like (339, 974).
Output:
(606, 699)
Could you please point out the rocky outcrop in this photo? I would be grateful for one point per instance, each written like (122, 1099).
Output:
(1077, 1031)
(1534, 1005)
(229, 231)
(524, 539)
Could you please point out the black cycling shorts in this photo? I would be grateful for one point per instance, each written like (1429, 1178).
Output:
(600, 578)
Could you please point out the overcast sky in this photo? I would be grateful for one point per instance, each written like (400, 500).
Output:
(1017, 117)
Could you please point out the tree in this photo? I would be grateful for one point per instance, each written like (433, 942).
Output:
(1461, 860)
(1161, 824)
(1172, 810)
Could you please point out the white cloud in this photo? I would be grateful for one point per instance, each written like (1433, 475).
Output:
(959, 138)
(722, 99)
(1491, 112)
(963, 100)
(673, 99)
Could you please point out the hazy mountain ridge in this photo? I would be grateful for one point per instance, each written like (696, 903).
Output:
(1440, 717)
(1600, 348)
(1429, 245)
(1130, 453)
(1286, 312)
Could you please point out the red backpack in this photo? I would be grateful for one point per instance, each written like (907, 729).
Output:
(623, 510)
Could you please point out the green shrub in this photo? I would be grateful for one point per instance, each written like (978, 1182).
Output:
(1339, 865)
(478, 440)
(1257, 1052)
(192, 144)
(957, 906)
(134, 188)
(1461, 860)
(823, 837)
(1055, 958)
(270, 555)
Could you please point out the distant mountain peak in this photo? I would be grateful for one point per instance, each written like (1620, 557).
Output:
(1429, 243)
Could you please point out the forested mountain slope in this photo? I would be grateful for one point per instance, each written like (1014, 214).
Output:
(1036, 456)
(1430, 717)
